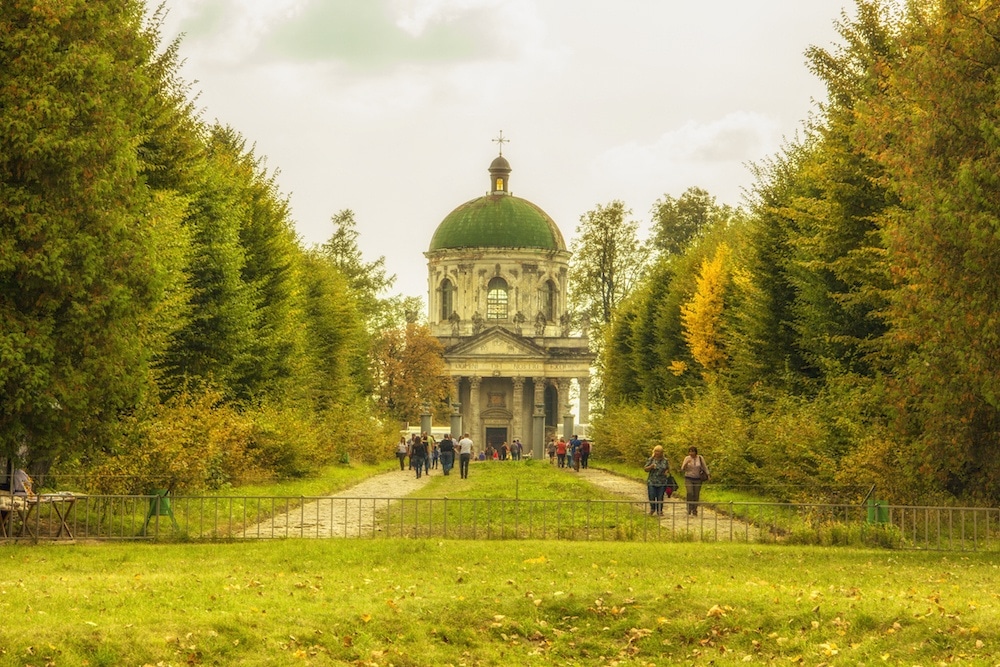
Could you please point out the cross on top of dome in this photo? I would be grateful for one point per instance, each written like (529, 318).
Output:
(500, 140)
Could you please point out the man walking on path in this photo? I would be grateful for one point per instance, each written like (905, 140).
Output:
(447, 454)
(418, 454)
(464, 455)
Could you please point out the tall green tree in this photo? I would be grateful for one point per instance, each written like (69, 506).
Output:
(217, 341)
(271, 250)
(764, 345)
(337, 361)
(838, 259)
(935, 127)
(676, 222)
(368, 280)
(608, 261)
(81, 276)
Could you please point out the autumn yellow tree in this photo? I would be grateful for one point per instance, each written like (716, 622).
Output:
(702, 315)
(409, 370)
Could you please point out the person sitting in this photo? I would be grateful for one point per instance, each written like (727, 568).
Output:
(22, 485)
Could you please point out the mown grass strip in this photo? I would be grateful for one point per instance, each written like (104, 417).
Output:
(439, 602)
(515, 500)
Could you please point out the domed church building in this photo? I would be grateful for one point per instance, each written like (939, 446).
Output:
(498, 271)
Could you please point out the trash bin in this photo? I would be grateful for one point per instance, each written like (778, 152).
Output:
(159, 505)
(878, 512)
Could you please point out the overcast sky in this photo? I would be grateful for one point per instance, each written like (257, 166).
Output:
(389, 107)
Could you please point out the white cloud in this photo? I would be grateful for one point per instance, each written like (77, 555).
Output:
(712, 155)
(736, 137)
(515, 23)
(414, 16)
(238, 26)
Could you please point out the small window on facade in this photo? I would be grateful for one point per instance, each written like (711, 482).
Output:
(499, 187)
(548, 300)
(447, 299)
(496, 299)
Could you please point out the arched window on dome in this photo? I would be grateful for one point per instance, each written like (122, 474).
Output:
(496, 299)
(547, 300)
(498, 186)
(447, 299)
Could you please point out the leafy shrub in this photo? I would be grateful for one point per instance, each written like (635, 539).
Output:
(625, 433)
(195, 441)
(191, 442)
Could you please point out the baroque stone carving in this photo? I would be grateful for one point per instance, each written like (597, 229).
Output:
(540, 323)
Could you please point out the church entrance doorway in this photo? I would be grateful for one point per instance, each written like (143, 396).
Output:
(496, 437)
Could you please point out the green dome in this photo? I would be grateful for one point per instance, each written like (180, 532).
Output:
(498, 221)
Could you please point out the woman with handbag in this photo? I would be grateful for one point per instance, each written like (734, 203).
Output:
(695, 473)
(656, 483)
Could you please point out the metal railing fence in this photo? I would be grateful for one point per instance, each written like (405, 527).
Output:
(205, 518)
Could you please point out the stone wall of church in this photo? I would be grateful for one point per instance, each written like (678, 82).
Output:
(533, 278)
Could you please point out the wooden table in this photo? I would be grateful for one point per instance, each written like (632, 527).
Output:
(11, 506)
(24, 507)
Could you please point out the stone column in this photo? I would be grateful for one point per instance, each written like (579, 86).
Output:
(473, 428)
(584, 383)
(567, 416)
(456, 407)
(425, 418)
(539, 391)
(538, 419)
(517, 408)
(538, 433)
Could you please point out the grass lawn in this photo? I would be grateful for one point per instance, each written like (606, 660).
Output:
(435, 602)
(527, 499)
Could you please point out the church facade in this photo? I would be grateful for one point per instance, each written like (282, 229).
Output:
(498, 272)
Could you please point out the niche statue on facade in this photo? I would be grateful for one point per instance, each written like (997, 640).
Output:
(540, 323)
(519, 320)
(477, 322)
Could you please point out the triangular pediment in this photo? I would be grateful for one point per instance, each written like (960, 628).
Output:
(495, 342)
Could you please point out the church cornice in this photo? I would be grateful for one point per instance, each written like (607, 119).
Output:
(495, 336)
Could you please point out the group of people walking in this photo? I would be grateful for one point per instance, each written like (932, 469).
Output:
(660, 482)
(575, 453)
(425, 453)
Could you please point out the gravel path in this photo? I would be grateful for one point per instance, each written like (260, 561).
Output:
(708, 525)
(351, 513)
